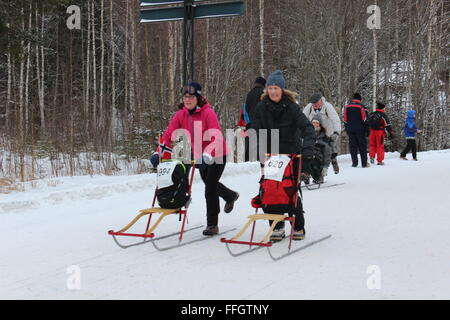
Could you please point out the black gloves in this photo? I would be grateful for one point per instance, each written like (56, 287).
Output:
(155, 160)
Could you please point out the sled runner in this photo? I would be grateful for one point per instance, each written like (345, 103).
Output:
(290, 252)
(277, 174)
(165, 177)
(265, 242)
(316, 186)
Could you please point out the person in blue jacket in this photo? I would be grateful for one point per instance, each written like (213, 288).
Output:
(410, 132)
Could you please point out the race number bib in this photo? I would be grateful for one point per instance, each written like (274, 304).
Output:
(164, 177)
(275, 166)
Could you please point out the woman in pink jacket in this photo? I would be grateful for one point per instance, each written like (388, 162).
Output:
(208, 147)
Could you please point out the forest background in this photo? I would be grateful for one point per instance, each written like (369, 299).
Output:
(93, 100)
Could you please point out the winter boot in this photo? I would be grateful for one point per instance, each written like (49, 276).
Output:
(372, 160)
(211, 231)
(380, 163)
(305, 178)
(335, 166)
(319, 180)
(298, 235)
(403, 158)
(230, 204)
(277, 235)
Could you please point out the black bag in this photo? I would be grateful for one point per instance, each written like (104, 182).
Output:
(314, 166)
(177, 195)
(375, 120)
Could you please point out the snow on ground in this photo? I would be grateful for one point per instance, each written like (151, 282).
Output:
(390, 239)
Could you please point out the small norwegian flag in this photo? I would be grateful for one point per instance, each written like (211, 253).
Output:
(164, 151)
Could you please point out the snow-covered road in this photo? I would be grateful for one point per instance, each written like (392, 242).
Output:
(390, 231)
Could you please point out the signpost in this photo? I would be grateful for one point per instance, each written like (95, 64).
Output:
(188, 10)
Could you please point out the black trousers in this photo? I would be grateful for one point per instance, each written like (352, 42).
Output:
(298, 213)
(358, 143)
(410, 146)
(210, 175)
(251, 151)
(247, 149)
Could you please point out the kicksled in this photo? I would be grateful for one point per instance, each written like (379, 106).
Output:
(164, 173)
(275, 168)
(266, 243)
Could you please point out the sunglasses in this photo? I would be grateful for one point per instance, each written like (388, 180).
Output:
(189, 90)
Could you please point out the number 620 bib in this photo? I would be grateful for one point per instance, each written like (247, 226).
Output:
(275, 166)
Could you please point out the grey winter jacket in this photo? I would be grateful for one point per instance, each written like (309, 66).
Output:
(330, 118)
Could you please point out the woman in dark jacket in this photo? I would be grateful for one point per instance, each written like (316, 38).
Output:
(279, 111)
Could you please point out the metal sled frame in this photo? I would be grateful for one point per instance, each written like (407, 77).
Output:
(313, 186)
(149, 230)
(321, 186)
(265, 242)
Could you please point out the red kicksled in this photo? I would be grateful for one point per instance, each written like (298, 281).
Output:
(149, 234)
(275, 218)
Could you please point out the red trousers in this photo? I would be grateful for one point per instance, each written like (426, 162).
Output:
(376, 144)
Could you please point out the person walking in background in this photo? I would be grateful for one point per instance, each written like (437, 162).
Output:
(210, 155)
(379, 124)
(330, 122)
(357, 128)
(410, 131)
(252, 99)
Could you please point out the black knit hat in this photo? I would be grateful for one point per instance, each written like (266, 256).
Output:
(192, 88)
(260, 80)
(380, 105)
(357, 96)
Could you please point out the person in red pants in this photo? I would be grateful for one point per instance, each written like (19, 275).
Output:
(379, 124)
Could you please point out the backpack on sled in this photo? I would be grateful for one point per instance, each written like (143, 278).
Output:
(315, 165)
(173, 184)
(278, 186)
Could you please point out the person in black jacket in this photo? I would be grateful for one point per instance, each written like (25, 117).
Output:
(357, 128)
(279, 111)
(252, 99)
